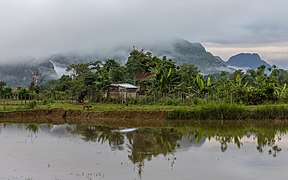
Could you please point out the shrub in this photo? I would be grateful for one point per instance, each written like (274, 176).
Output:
(32, 104)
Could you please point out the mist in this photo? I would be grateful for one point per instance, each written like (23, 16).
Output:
(34, 29)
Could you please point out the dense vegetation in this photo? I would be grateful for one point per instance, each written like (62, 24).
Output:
(168, 84)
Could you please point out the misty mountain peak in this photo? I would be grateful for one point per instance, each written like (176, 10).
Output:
(250, 60)
(247, 56)
(180, 51)
(184, 45)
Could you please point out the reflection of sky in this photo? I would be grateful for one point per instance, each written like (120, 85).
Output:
(28, 155)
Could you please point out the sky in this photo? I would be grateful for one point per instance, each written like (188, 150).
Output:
(39, 28)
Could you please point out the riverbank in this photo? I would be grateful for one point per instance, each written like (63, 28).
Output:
(107, 118)
(143, 115)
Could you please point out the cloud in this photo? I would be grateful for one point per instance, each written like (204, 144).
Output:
(41, 27)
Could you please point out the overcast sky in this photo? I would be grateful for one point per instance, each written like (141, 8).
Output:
(225, 27)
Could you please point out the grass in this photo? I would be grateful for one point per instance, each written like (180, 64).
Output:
(98, 107)
(210, 111)
(224, 111)
(101, 107)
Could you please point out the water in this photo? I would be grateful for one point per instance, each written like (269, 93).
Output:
(96, 152)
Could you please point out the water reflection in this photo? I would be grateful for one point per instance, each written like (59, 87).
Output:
(144, 144)
(33, 128)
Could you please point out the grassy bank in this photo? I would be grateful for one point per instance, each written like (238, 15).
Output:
(97, 107)
(224, 111)
(210, 111)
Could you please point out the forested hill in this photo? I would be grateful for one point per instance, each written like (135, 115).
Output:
(24, 73)
(180, 51)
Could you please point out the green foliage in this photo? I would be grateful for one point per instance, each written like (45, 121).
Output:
(200, 82)
(139, 62)
(5, 90)
(22, 93)
(47, 101)
(270, 112)
(164, 78)
(32, 104)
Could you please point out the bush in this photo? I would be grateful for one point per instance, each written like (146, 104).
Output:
(47, 101)
(32, 104)
(132, 101)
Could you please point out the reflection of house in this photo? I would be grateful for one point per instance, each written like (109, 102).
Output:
(122, 91)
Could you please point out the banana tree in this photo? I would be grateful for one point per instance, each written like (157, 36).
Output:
(202, 88)
(164, 79)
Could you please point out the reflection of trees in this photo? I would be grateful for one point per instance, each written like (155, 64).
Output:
(266, 133)
(224, 140)
(100, 134)
(270, 141)
(263, 139)
(33, 128)
(147, 143)
(143, 144)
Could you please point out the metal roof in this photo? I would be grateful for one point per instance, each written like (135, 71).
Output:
(126, 85)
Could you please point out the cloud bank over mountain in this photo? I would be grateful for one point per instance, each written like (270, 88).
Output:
(37, 28)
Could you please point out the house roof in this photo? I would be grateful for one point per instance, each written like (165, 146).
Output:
(141, 76)
(125, 85)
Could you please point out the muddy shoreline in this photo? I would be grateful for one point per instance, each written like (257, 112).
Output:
(108, 118)
(133, 118)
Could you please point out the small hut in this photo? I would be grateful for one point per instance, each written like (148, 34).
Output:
(122, 92)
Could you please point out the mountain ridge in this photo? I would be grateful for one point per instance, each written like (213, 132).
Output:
(178, 50)
(247, 60)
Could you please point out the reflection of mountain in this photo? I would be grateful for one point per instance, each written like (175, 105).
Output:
(60, 129)
(54, 130)
(189, 141)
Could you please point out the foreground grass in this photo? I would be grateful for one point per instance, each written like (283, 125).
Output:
(224, 111)
(98, 107)
(210, 111)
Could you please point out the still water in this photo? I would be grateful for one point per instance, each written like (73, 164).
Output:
(30, 151)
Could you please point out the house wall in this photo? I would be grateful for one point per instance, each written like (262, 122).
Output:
(122, 93)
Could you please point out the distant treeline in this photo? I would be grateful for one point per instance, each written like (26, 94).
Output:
(165, 83)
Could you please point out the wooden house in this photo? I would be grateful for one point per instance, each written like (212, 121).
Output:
(122, 92)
